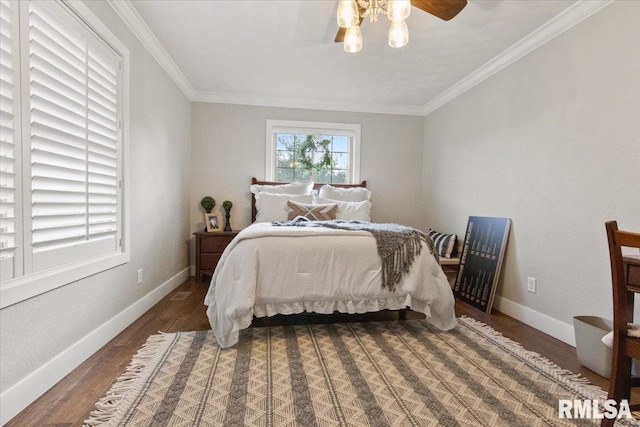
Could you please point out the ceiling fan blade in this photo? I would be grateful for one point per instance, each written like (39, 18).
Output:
(443, 9)
(343, 31)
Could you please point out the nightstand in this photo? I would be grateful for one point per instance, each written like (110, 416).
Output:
(209, 248)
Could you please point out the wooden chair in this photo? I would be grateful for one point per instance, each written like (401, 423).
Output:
(625, 348)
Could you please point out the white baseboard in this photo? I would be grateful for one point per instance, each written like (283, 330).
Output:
(27, 390)
(542, 322)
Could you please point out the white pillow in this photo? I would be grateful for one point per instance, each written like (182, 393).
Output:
(273, 207)
(293, 188)
(349, 211)
(353, 194)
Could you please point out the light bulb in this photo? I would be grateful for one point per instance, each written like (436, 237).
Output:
(399, 10)
(347, 13)
(398, 34)
(353, 39)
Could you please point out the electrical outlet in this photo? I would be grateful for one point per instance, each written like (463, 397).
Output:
(531, 284)
(139, 276)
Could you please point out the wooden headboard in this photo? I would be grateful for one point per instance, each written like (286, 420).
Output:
(316, 186)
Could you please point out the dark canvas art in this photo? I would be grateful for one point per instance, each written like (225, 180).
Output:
(483, 252)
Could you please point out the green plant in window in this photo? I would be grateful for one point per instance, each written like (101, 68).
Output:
(307, 153)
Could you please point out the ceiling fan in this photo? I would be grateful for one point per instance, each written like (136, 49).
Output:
(351, 13)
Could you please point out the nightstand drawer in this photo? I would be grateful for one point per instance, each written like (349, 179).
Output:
(209, 261)
(215, 244)
(209, 249)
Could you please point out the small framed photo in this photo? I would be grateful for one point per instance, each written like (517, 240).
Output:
(212, 222)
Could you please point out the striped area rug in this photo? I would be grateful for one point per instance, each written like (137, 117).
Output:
(355, 374)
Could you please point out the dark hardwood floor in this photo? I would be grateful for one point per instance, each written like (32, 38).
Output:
(69, 402)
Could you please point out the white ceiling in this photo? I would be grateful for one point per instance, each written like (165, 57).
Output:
(281, 53)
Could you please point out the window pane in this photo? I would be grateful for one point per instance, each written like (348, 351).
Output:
(340, 161)
(284, 175)
(325, 138)
(318, 156)
(285, 142)
(339, 177)
(324, 176)
(284, 159)
(341, 143)
(301, 175)
(290, 139)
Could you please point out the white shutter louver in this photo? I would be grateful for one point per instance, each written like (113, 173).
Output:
(102, 146)
(74, 143)
(9, 142)
(63, 100)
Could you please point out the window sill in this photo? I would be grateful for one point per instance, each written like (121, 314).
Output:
(22, 288)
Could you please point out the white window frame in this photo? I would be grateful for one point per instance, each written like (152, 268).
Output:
(352, 131)
(18, 289)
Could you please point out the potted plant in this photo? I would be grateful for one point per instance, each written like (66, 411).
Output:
(208, 203)
(227, 205)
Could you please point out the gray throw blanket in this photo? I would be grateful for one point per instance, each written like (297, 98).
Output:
(398, 245)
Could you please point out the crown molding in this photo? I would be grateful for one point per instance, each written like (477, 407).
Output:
(555, 26)
(308, 104)
(132, 18)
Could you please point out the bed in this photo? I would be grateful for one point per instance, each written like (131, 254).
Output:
(268, 270)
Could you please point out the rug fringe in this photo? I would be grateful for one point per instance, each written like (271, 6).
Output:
(107, 407)
(576, 382)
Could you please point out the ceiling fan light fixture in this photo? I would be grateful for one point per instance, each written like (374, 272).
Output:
(347, 13)
(398, 10)
(353, 39)
(398, 34)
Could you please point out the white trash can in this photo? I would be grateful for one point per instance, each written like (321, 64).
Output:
(592, 352)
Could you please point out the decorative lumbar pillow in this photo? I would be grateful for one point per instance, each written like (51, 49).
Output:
(353, 194)
(312, 212)
(443, 243)
(292, 188)
(273, 207)
(349, 211)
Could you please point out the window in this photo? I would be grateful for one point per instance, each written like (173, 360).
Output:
(327, 153)
(61, 192)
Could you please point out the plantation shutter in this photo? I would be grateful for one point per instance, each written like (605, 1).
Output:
(75, 141)
(9, 142)
(102, 146)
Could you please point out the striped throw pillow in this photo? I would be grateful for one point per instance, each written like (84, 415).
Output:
(443, 243)
(312, 212)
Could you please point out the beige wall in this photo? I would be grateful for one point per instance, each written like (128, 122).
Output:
(228, 148)
(37, 330)
(553, 142)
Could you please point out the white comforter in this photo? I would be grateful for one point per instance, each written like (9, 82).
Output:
(269, 270)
